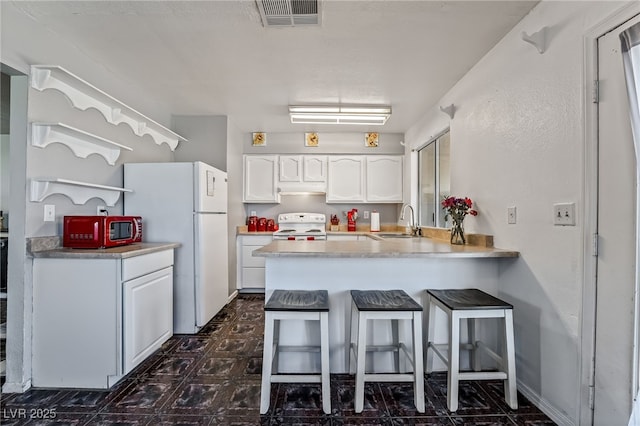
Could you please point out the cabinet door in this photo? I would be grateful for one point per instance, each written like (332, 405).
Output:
(384, 178)
(260, 174)
(290, 168)
(345, 179)
(147, 315)
(314, 168)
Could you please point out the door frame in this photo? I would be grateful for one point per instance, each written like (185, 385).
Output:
(590, 196)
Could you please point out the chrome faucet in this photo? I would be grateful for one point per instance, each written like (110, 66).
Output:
(414, 229)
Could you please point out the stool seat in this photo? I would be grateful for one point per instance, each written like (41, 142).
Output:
(471, 304)
(396, 306)
(384, 300)
(470, 298)
(298, 300)
(296, 305)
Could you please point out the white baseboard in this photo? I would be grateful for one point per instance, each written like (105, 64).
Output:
(545, 406)
(232, 296)
(16, 387)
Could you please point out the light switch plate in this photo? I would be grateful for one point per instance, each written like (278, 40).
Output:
(49, 212)
(511, 215)
(564, 214)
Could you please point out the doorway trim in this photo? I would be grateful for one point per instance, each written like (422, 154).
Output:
(18, 362)
(590, 237)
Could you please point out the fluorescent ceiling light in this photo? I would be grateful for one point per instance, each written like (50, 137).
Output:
(340, 114)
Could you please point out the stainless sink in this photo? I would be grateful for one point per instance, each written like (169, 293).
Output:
(393, 236)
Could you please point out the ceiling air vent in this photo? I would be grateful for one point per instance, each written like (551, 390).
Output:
(289, 13)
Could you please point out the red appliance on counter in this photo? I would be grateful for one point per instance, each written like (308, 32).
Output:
(252, 224)
(352, 215)
(94, 232)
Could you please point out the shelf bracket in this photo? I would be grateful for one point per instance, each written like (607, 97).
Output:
(537, 39)
(450, 110)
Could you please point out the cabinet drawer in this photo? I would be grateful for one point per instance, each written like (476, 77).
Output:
(140, 265)
(249, 260)
(253, 277)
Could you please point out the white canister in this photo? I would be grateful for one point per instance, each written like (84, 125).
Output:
(375, 221)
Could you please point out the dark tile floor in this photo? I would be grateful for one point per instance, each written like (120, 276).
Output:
(213, 378)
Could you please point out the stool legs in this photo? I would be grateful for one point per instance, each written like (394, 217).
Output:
(360, 362)
(418, 371)
(324, 361)
(452, 358)
(267, 363)
(272, 348)
(359, 322)
(510, 389)
(453, 376)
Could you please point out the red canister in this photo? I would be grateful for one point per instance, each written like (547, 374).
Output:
(271, 225)
(262, 224)
(252, 224)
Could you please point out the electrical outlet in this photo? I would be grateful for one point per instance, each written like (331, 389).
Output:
(511, 215)
(564, 214)
(253, 213)
(49, 213)
(366, 214)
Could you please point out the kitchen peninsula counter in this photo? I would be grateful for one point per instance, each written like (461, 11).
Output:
(386, 248)
(411, 264)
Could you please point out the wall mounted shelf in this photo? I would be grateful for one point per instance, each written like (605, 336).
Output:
(78, 192)
(84, 95)
(80, 142)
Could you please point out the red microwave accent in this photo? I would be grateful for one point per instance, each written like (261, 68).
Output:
(101, 231)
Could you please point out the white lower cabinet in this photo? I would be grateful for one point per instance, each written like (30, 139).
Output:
(251, 268)
(147, 300)
(95, 319)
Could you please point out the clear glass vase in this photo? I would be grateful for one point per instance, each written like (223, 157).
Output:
(457, 233)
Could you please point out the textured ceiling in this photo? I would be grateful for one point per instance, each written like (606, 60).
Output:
(215, 57)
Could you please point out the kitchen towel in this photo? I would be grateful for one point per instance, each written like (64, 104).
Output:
(375, 221)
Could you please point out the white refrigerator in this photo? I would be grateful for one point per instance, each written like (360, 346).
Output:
(185, 203)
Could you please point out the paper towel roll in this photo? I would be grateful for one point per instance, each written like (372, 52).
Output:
(375, 221)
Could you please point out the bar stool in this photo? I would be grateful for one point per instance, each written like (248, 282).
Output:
(471, 304)
(295, 305)
(392, 305)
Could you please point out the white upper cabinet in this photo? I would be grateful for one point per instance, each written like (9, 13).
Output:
(303, 168)
(290, 168)
(314, 168)
(260, 179)
(346, 178)
(384, 178)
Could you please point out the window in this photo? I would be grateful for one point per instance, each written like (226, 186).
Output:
(433, 180)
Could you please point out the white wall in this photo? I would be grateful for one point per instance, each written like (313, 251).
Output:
(207, 139)
(4, 173)
(517, 140)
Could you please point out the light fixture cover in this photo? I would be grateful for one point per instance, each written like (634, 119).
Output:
(340, 114)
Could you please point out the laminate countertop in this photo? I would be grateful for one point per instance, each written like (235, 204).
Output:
(121, 252)
(380, 248)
